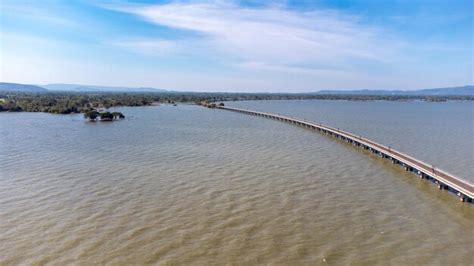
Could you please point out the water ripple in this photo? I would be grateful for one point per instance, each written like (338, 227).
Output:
(188, 185)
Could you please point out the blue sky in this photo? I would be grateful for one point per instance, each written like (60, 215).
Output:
(248, 46)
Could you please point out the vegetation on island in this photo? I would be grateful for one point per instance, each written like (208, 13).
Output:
(209, 104)
(83, 102)
(66, 103)
(92, 115)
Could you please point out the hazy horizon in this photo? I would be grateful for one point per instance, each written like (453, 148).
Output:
(48, 87)
(239, 46)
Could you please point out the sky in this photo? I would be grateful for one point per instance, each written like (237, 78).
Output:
(239, 46)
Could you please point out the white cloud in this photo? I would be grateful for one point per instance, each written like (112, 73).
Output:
(218, 46)
(274, 35)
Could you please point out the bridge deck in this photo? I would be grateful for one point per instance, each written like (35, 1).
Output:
(463, 188)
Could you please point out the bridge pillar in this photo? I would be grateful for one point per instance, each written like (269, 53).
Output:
(464, 198)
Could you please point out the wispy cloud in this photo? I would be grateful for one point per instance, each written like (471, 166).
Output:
(38, 11)
(224, 45)
(273, 35)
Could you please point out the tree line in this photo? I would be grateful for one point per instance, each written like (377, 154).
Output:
(82, 102)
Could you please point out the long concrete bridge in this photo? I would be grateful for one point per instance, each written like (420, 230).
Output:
(444, 180)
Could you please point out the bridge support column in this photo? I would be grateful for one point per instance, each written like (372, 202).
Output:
(464, 198)
(442, 186)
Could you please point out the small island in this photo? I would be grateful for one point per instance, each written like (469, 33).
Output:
(92, 115)
(209, 104)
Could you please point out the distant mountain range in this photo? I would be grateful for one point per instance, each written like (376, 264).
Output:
(451, 91)
(4, 86)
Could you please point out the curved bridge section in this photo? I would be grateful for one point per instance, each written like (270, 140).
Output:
(443, 179)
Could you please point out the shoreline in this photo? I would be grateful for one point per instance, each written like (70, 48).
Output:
(37, 103)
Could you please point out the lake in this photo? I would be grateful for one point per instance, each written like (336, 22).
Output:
(185, 184)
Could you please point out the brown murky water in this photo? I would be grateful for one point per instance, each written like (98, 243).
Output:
(184, 185)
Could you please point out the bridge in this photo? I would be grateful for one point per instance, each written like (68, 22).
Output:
(444, 180)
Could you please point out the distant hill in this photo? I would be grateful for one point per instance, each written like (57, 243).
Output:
(4, 86)
(450, 91)
(465, 90)
(92, 88)
(458, 91)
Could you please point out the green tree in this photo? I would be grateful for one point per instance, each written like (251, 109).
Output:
(106, 116)
(118, 115)
(91, 115)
